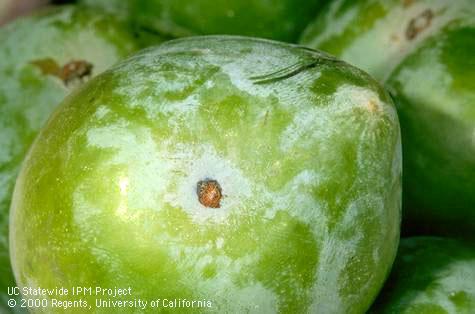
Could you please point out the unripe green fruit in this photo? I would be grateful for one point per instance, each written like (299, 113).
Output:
(42, 58)
(431, 275)
(423, 51)
(262, 176)
(276, 19)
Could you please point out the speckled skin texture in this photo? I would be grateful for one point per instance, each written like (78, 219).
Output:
(430, 276)
(431, 74)
(275, 19)
(306, 150)
(375, 35)
(28, 96)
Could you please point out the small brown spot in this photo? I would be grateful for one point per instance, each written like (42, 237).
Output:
(209, 193)
(419, 24)
(75, 70)
(407, 3)
(372, 106)
(71, 71)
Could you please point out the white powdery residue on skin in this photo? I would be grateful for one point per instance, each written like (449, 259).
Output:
(240, 78)
(455, 277)
(140, 94)
(335, 25)
(237, 298)
(348, 97)
(209, 84)
(83, 212)
(397, 46)
(181, 108)
(219, 243)
(205, 163)
(296, 199)
(305, 122)
(326, 288)
(396, 167)
(335, 254)
(318, 123)
(137, 152)
(101, 112)
(242, 69)
(416, 84)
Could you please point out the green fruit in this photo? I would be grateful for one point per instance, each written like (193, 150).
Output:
(423, 51)
(262, 176)
(435, 92)
(377, 35)
(281, 19)
(34, 54)
(430, 276)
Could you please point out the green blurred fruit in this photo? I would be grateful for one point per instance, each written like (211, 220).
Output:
(377, 35)
(430, 276)
(42, 58)
(423, 52)
(434, 89)
(262, 176)
(274, 19)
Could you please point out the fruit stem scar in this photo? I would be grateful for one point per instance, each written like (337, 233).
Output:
(76, 69)
(71, 71)
(209, 193)
(418, 24)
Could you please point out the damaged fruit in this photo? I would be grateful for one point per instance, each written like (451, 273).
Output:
(42, 58)
(423, 52)
(256, 175)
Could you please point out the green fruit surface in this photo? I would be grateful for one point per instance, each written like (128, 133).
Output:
(430, 276)
(280, 19)
(434, 89)
(29, 92)
(431, 74)
(375, 35)
(306, 150)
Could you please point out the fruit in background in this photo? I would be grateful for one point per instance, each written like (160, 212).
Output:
(281, 20)
(377, 35)
(423, 51)
(430, 275)
(262, 176)
(42, 58)
(435, 92)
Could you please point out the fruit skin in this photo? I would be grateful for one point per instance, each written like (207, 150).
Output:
(376, 36)
(280, 20)
(431, 78)
(437, 116)
(29, 91)
(431, 275)
(305, 148)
